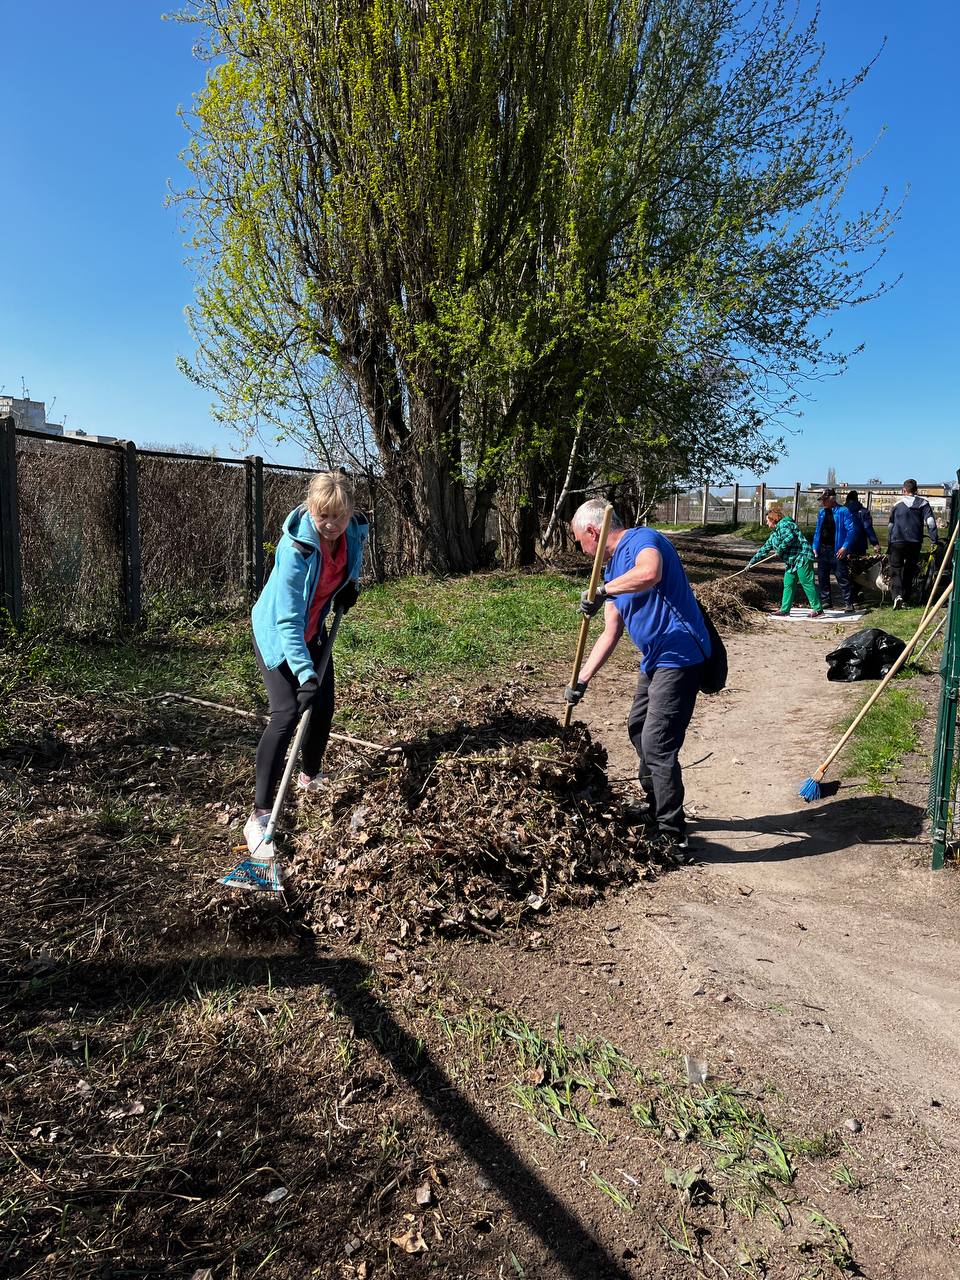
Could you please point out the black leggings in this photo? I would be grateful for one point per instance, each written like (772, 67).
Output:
(282, 686)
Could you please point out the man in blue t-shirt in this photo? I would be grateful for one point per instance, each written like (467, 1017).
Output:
(645, 592)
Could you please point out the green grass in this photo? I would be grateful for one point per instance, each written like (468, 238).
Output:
(414, 627)
(887, 734)
(436, 627)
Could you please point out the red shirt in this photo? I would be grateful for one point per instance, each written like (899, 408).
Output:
(332, 574)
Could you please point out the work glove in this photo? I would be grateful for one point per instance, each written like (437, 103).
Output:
(347, 596)
(573, 693)
(308, 695)
(590, 607)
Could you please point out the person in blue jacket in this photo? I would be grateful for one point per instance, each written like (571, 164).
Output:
(864, 532)
(316, 567)
(831, 545)
(645, 592)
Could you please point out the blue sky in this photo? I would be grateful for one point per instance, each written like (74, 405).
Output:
(92, 264)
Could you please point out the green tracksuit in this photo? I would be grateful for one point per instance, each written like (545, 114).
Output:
(787, 542)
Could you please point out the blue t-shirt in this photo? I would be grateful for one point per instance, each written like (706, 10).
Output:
(665, 623)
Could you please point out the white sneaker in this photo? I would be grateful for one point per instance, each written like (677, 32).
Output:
(253, 833)
(307, 783)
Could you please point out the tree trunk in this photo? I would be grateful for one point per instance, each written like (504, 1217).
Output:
(430, 527)
(519, 508)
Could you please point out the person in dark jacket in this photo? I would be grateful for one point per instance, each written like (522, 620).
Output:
(909, 517)
(316, 568)
(864, 532)
(831, 546)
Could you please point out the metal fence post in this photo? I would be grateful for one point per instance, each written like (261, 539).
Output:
(943, 781)
(736, 505)
(796, 501)
(11, 580)
(763, 504)
(130, 534)
(706, 501)
(254, 551)
(676, 507)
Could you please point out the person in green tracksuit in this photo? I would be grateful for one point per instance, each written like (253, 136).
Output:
(787, 542)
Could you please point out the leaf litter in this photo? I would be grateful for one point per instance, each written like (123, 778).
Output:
(495, 820)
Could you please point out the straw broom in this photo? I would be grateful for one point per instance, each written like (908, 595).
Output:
(591, 592)
(811, 788)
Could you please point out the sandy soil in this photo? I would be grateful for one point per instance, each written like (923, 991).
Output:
(808, 945)
(827, 909)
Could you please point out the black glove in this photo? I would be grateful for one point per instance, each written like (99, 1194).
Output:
(347, 596)
(590, 607)
(574, 692)
(308, 694)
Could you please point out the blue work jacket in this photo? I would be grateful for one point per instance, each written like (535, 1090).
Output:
(280, 615)
(846, 529)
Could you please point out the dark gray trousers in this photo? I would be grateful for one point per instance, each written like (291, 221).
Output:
(657, 724)
(904, 558)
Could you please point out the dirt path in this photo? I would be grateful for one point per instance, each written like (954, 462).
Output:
(835, 944)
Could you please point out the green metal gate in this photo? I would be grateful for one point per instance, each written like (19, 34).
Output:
(944, 800)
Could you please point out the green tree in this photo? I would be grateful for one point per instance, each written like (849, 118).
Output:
(464, 241)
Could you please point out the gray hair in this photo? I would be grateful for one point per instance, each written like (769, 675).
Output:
(592, 513)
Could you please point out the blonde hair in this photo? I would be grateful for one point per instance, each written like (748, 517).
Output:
(775, 509)
(330, 493)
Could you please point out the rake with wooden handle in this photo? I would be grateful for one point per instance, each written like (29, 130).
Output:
(591, 593)
(811, 788)
(756, 565)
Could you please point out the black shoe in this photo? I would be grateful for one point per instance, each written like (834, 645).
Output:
(898, 602)
(673, 847)
(640, 814)
(850, 608)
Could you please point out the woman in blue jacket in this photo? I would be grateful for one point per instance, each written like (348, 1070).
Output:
(316, 566)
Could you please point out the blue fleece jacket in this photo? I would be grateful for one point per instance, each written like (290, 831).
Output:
(280, 615)
(845, 526)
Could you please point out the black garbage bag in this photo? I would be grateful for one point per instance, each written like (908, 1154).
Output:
(866, 655)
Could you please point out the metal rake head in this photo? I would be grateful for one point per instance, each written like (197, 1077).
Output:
(260, 877)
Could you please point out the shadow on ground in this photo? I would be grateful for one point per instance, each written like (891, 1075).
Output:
(813, 832)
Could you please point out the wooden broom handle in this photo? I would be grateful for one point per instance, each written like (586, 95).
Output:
(943, 564)
(883, 683)
(591, 592)
(765, 560)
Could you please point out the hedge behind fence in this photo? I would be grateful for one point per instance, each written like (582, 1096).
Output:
(193, 516)
(70, 545)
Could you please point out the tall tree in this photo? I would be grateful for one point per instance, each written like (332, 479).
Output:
(508, 228)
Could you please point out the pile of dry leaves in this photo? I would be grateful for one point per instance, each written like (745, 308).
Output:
(502, 816)
(731, 605)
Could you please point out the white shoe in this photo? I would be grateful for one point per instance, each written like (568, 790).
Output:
(253, 833)
(307, 783)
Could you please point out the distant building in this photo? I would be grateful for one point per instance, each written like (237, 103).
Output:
(31, 415)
